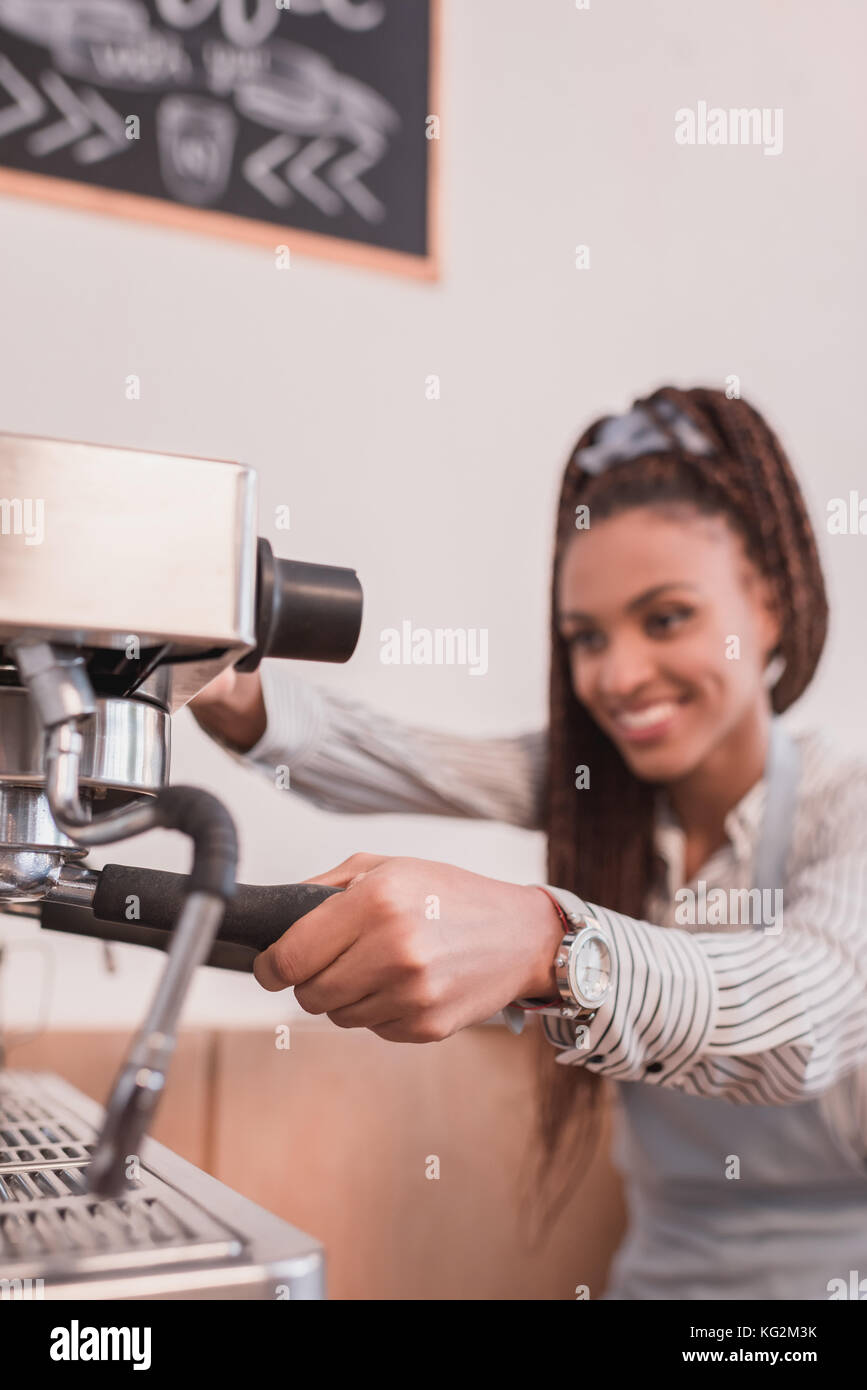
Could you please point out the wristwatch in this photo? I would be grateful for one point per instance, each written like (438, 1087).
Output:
(583, 971)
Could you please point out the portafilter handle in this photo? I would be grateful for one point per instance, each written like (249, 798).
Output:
(143, 902)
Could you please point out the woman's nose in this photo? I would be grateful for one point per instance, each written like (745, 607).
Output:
(624, 667)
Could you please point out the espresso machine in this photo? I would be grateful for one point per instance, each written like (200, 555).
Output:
(128, 581)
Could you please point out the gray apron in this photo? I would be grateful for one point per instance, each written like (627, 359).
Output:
(795, 1218)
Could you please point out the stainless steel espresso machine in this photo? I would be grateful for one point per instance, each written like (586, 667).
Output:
(128, 581)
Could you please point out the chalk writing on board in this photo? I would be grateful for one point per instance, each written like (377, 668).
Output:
(322, 130)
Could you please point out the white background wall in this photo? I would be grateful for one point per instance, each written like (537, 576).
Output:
(558, 129)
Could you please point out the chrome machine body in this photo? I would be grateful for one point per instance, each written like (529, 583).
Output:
(128, 581)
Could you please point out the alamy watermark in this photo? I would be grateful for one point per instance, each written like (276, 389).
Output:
(77, 1343)
(847, 516)
(23, 516)
(722, 907)
(16, 1290)
(854, 1288)
(714, 125)
(439, 646)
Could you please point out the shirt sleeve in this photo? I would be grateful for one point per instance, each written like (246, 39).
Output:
(342, 755)
(762, 1016)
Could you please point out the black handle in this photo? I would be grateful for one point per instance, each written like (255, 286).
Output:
(80, 921)
(303, 611)
(255, 917)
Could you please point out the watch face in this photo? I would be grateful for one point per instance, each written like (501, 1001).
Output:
(591, 969)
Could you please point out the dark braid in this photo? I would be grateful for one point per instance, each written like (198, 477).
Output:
(602, 848)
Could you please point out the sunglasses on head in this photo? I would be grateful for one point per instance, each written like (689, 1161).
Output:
(622, 437)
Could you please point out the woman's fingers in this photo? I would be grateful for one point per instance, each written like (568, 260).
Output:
(351, 868)
(320, 936)
(365, 971)
(267, 972)
(309, 945)
(389, 1019)
(375, 1009)
(345, 982)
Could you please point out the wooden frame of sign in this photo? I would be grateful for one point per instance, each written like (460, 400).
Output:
(88, 198)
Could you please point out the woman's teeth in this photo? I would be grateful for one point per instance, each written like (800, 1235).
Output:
(646, 718)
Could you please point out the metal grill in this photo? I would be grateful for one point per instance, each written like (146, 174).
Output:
(31, 1133)
(47, 1213)
(174, 1233)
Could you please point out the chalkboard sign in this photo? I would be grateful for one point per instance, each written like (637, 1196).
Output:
(306, 122)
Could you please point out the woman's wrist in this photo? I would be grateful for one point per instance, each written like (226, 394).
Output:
(547, 929)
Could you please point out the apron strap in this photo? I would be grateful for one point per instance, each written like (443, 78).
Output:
(782, 774)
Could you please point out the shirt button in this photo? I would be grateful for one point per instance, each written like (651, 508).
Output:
(654, 1066)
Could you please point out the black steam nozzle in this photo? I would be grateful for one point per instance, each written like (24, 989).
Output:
(304, 612)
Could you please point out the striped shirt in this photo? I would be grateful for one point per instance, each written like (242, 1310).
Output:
(763, 1017)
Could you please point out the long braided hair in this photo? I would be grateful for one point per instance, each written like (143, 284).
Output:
(600, 841)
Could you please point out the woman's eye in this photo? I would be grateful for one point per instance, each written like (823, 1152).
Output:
(586, 640)
(666, 622)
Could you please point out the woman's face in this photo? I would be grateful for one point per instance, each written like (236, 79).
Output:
(668, 625)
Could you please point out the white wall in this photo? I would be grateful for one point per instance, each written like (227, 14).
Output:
(558, 129)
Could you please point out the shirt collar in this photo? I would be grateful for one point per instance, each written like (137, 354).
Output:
(742, 825)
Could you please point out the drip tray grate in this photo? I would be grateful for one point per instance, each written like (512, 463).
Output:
(30, 1131)
(47, 1215)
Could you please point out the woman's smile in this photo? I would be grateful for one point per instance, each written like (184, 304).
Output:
(648, 722)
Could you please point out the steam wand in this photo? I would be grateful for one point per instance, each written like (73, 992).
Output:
(57, 681)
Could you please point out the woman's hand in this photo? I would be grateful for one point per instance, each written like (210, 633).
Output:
(233, 707)
(415, 950)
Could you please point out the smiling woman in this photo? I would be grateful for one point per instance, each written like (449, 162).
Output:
(675, 670)
(700, 587)
(687, 611)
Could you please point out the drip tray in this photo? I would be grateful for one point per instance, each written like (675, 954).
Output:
(175, 1232)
